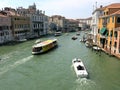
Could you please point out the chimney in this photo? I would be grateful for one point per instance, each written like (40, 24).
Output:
(44, 12)
(101, 6)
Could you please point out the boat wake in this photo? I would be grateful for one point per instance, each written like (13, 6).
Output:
(6, 57)
(85, 84)
(15, 64)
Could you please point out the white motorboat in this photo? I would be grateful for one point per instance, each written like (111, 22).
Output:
(38, 41)
(58, 33)
(79, 68)
(78, 33)
(21, 40)
(96, 48)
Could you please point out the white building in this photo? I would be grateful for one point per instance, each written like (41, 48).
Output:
(45, 24)
(95, 19)
(38, 20)
(86, 23)
(59, 21)
(82, 25)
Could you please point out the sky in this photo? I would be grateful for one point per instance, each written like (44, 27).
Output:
(71, 9)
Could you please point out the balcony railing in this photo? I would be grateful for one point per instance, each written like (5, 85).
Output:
(117, 29)
(104, 23)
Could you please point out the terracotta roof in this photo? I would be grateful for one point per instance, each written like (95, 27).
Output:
(59, 16)
(89, 18)
(12, 13)
(114, 5)
(2, 15)
(71, 19)
(118, 12)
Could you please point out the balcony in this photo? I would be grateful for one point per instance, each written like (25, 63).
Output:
(104, 23)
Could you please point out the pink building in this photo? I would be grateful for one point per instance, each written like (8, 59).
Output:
(5, 26)
(117, 41)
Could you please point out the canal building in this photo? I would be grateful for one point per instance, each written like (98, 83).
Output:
(109, 29)
(85, 23)
(5, 28)
(73, 25)
(95, 18)
(38, 20)
(82, 25)
(58, 22)
(20, 25)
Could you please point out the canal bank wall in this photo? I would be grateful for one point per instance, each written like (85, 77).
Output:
(111, 54)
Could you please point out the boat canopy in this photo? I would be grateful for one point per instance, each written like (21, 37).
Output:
(44, 43)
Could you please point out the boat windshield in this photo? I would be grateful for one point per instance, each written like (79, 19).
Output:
(55, 42)
(80, 67)
(37, 49)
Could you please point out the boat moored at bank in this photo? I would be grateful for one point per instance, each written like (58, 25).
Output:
(44, 46)
(58, 33)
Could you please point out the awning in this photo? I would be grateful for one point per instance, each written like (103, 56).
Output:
(103, 31)
(115, 34)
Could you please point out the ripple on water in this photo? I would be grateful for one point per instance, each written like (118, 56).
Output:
(15, 64)
(85, 84)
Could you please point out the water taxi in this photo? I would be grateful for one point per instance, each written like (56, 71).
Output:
(79, 68)
(44, 46)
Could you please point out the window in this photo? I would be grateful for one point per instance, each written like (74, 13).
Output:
(112, 19)
(106, 13)
(110, 43)
(111, 33)
(118, 20)
(100, 12)
(115, 44)
(115, 34)
(108, 20)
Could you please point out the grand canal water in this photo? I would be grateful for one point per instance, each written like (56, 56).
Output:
(20, 70)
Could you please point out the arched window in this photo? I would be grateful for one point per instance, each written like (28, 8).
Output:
(118, 20)
(98, 30)
(111, 33)
(115, 44)
(115, 34)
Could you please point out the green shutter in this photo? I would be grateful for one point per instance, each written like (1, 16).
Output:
(103, 30)
(106, 34)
